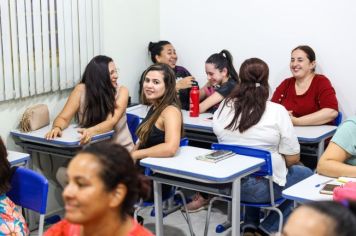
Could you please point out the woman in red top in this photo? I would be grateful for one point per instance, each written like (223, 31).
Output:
(309, 97)
(102, 189)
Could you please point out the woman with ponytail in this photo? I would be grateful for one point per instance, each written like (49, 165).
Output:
(103, 186)
(164, 52)
(247, 118)
(222, 79)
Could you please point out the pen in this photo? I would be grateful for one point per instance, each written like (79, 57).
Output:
(328, 181)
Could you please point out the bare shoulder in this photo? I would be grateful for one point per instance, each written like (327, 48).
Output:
(79, 88)
(171, 110)
(123, 89)
(78, 91)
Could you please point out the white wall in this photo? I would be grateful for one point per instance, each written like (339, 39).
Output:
(127, 28)
(268, 30)
(10, 115)
(11, 111)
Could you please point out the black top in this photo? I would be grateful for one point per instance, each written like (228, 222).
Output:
(156, 136)
(180, 72)
(224, 90)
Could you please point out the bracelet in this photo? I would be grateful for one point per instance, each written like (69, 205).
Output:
(53, 127)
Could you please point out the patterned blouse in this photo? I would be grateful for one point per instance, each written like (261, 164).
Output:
(12, 222)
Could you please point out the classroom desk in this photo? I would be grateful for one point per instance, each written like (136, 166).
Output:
(306, 189)
(183, 170)
(315, 134)
(65, 146)
(200, 128)
(18, 158)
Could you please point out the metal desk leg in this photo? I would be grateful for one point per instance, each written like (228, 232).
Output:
(236, 207)
(157, 188)
(227, 224)
(321, 148)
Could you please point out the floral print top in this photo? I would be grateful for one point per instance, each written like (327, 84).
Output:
(12, 222)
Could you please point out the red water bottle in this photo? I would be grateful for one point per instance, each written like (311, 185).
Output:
(194, 101)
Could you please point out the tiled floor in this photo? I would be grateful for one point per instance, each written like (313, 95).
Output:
(175, 224)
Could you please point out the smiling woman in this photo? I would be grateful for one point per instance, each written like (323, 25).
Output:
(309, 97)
(103, 186)
(222, 79)
(98, 103)
(164, 52)
(160, 131)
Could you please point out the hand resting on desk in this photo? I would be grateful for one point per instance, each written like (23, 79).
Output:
(55, 132)
(85, 134)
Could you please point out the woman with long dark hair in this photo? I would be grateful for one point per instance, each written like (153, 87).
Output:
(247, 118)
(99, 104)
(160, 131)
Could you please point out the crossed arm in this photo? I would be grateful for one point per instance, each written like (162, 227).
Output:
(320, 117)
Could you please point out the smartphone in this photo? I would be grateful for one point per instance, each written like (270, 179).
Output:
(328, 188)
(218, 154)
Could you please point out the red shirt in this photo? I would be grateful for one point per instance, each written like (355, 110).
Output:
(320, 94)
(64, 228)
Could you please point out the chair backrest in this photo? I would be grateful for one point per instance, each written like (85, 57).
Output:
(338, 119)
(132, 122)
(29, 189)
(184, 142)
(266, 169)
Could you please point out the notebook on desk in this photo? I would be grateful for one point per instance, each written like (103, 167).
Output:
(216, 156)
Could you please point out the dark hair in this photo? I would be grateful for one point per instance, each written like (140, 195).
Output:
(169, 98)
(99, 92)
(343, 214)
(223, 60)
(309, 51)
(118, 167)
(156, 49)
(250, 96)
(5, 171)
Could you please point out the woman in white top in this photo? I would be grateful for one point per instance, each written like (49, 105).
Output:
(247, 118)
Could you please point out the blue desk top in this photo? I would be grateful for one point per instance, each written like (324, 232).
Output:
(70, 136)
(185, 165)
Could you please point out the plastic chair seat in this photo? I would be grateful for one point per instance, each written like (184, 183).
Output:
(29, 189)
